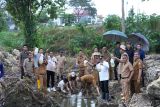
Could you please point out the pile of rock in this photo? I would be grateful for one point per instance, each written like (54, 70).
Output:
(21, 93)
(151, 96)
(10, 60)
(152, 68)
(153, 90)
(140, 100)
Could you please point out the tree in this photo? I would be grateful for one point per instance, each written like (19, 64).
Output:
(3, 23)
(131, 22)
(112, 22)
(26, 13)
(83, 7)
(43, 17)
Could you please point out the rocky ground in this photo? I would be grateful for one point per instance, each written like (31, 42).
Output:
(15, 92)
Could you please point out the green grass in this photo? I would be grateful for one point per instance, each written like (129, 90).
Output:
(11, 40)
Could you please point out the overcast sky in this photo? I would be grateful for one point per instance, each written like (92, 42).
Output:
(106, 7)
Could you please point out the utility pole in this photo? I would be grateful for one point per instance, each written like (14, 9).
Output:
(123, 17)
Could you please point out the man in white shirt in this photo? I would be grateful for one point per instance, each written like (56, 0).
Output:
(103, 69)
(51, 69)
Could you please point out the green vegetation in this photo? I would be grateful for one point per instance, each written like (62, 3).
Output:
(26, 12)
(11, 40)
(70, 38)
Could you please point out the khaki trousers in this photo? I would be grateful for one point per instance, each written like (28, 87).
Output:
(42, 77)
(135, 87)
(125, 89)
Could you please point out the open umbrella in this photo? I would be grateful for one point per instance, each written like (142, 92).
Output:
(139, 38)
(115, 35)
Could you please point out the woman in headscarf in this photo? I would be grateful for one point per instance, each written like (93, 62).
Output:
(136, 79)
(80, 63)
(95, 58)
(41, 62)
(126, 75)
(80, 58)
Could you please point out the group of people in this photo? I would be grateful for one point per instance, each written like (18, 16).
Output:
(124, 65)
(129, 67)
(44, 66)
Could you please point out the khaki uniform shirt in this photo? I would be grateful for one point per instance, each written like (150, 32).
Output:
(126, 70)
(88, 79)
(136, 66)
(61, 61)
(28, 65)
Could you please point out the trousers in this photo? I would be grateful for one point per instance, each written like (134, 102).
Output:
(125, 89)
(50, 78)
(135, 87)
(104, 89)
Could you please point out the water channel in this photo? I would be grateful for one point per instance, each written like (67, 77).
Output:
(77, 100)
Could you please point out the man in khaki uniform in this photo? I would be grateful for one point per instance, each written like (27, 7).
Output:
(126, 75)
(136, 79)
(88, 80)
(61, 61)
(28, 65)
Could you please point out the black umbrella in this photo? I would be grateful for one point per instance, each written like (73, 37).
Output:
(115, 35)
(139, 38)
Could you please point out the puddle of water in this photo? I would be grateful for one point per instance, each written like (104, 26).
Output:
(78, 101)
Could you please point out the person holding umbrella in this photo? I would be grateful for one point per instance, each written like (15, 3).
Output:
(120, 66)
(130, 52)
(141, 51)
(118, 55)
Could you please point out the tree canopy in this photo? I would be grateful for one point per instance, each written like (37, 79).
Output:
(82, 7)
(112, 22)
(26, 12)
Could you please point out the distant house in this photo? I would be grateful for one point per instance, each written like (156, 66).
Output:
(84, 17)
(10, 23)
(99, 19)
